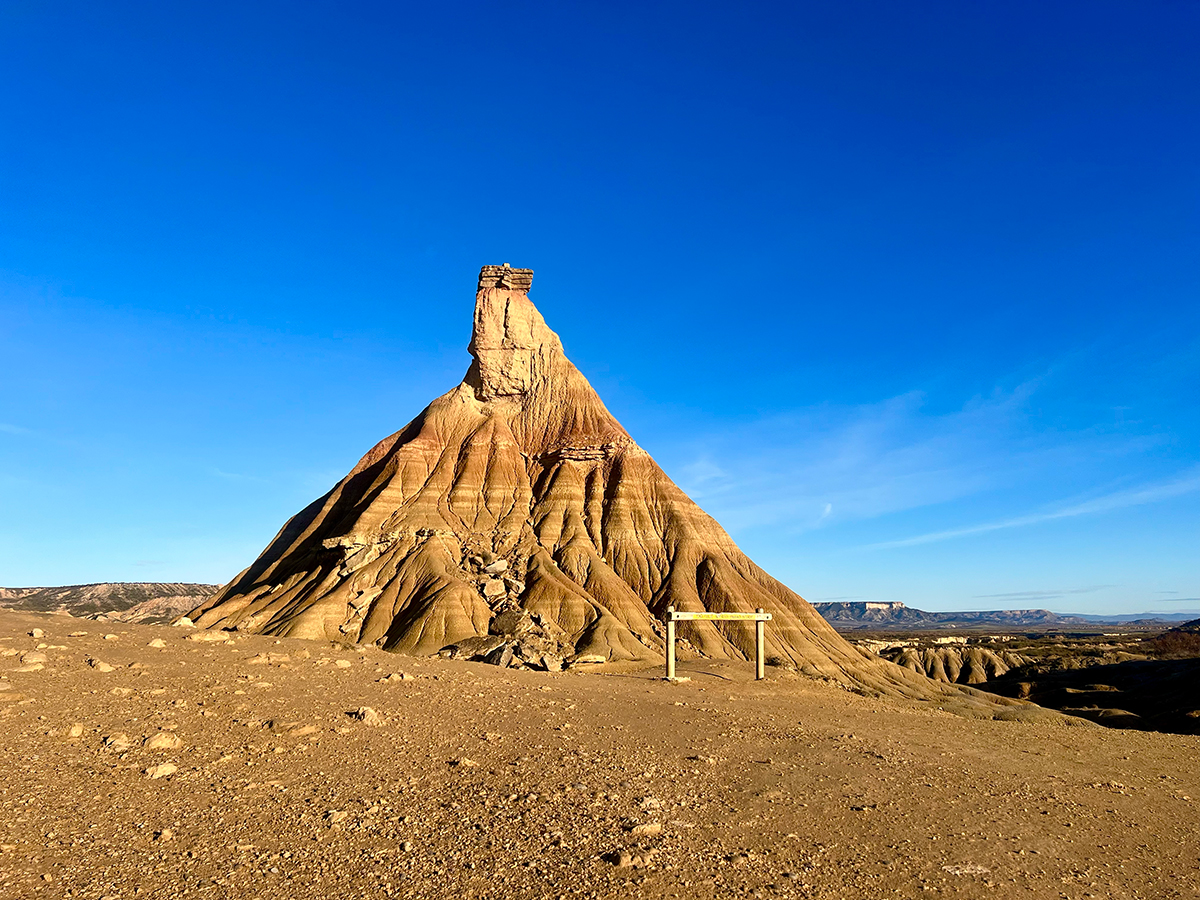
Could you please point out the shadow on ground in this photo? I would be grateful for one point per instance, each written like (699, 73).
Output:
(1149, 695)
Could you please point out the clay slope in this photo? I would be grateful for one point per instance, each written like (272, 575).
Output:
(968, 665)
(516, 499)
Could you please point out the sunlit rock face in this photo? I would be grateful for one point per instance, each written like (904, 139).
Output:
(518, 490)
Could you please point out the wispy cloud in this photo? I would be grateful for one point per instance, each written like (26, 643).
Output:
(830, 465)
(5, 428)
(1179, 599)
(813, 467)
(1153, 493)
(1044, 595)
(235, 476)
(703, 470)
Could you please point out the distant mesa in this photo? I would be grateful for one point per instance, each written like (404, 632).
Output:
(147, 603)
(515, 520)
(850, 616)
(893, 615)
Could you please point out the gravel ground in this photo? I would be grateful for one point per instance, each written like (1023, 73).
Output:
(141, 762)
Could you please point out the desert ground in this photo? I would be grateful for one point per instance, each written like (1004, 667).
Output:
(141, 761)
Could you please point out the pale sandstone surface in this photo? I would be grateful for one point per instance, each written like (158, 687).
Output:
(260, 767)
(522, 464)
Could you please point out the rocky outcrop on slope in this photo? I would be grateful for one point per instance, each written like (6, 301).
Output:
(149, 603)
(1180, 642)
(517, 490)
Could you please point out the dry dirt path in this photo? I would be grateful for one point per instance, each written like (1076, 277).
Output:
(463, 780)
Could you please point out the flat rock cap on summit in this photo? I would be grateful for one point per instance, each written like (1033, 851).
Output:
(506, 277)
(522, 462)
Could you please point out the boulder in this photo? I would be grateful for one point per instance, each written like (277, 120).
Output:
(511, 622)
(502, 656)
(472, 647)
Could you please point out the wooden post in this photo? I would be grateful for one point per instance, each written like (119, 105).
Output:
(760, 628)
(670, 642)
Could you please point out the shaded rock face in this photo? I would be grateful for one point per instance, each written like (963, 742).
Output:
(1147, 694)
(517, 489)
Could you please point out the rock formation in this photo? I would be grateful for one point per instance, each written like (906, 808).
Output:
(515, 518)
(966, 665)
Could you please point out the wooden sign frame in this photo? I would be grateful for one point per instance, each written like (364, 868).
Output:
(758, 617)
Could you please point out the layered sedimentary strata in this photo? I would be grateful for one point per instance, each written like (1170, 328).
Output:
(967, 665)
(518, 492)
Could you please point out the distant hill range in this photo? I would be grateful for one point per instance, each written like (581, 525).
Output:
(149, 603)
(878, 616)
(154, 603)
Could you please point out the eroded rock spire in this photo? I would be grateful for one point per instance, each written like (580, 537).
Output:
(512, 345)
(515, 512)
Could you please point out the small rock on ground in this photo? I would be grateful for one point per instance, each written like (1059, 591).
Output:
(367, 716)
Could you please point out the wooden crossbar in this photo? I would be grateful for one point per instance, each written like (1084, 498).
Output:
(758, 617)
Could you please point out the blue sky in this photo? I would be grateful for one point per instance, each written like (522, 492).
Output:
(904, 294)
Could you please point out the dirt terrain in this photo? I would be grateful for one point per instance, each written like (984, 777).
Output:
(140, 761)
